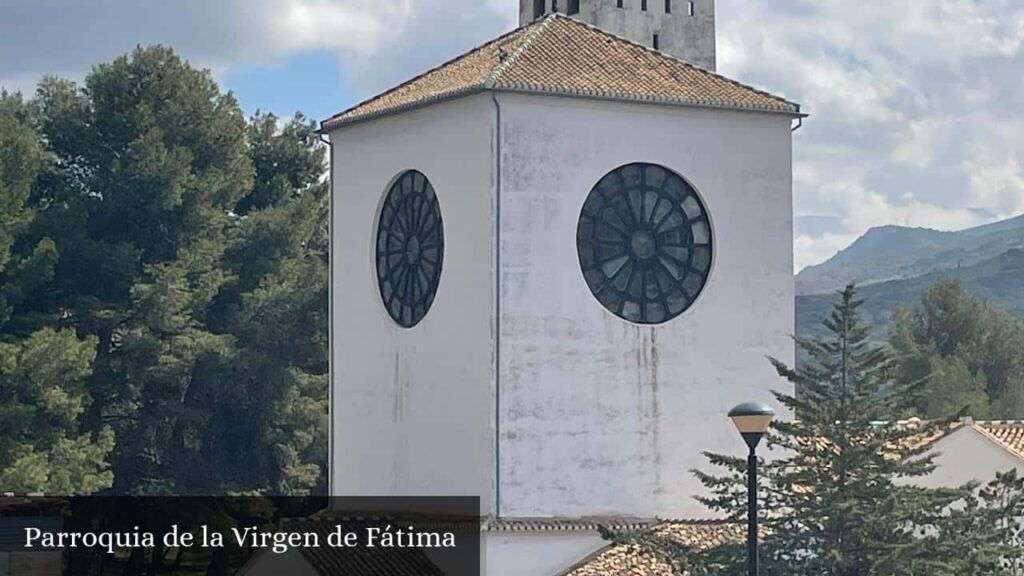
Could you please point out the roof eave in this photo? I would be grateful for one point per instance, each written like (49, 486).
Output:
(644, 99)
(980, 429)
(332, 124)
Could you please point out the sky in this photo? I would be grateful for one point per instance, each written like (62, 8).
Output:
(917, 106)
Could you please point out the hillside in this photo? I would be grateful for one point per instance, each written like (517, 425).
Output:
(894, 253)
(999, 279)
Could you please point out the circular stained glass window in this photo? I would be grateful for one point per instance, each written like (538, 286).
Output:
(644, 242)
(410, 248)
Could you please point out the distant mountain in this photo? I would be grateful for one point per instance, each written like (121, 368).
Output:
(999, 280)
(894, 265)
(890, 253)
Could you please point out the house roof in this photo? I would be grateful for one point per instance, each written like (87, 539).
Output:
(565, 524)
(1008, 434)
(563, 56)
(918, 442)
(629, 559)
(623, 560)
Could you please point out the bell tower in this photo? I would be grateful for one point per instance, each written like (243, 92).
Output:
(553, 274)
(683, 28)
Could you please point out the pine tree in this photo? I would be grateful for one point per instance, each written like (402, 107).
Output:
(275, 309)
(188, 245)
(970, 352)
(839, 498)
(42, 369)
(1003, 502)
(952, 389)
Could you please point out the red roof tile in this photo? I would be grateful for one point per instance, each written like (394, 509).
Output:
(561, 55)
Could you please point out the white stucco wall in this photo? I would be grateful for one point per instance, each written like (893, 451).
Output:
(537, 553)
(691, 38)
(599, 416)
(413, 408)
(966, 455)
(595, 416)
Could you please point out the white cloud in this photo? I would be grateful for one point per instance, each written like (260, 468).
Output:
(814, 249)
(998, 183)
(915, 106)
(376, 41)
(922, 136)
(359, 27)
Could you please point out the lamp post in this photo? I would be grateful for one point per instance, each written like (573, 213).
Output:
(752, 420)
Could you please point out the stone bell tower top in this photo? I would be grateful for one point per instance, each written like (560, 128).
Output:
(683, 28)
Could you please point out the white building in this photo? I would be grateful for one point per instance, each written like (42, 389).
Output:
(975, 451)
(557, 261)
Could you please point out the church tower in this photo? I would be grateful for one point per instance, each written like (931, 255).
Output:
(683, 28)
(557, 261)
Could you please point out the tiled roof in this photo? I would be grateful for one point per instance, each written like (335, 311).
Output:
(561, 55)
(917, 442)
(1007, 433)
(564, 525)
(630, 560)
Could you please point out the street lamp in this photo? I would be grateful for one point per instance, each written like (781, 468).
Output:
(752, 420)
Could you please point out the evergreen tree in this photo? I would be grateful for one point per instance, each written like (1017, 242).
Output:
(1003, 501)
(21, 159)
(952, 389)
(42, 397)
(187, 247)
(839, 499)
(153, 158)
(971, 354)
(42, 372)
(274, 307)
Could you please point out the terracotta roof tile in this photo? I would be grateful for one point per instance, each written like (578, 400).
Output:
(564, 524)
(561, 55)
(1008, 434)
(630, 560)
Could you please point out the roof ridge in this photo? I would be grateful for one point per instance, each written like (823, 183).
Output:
(674, 58)
(697, 522)
(525, 43)
(508, 63)
(427, 72)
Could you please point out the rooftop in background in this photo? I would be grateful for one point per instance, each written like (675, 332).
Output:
(562, 56)
(1008, 434)
(630, 559)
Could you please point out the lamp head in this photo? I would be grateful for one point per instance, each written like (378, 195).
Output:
(752, 420)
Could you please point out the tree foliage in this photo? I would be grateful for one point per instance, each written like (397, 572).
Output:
(969, 352)
(43, 369)
(842, 496)
(839, 500)
(179, 251)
